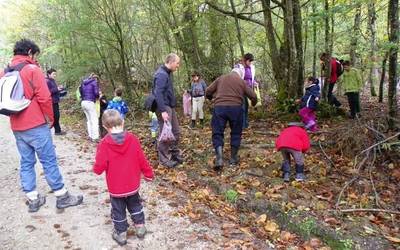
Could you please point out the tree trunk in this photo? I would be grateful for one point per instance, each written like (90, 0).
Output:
(239, 35)
(327, 71)
(298, 36)
(372, 28)
(216, 36)
(393, 18)
(314, 63)
(354, 37)
(383, 75)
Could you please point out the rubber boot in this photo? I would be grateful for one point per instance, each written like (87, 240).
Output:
(300, 173)
(193, 124)
(234, 156)
(219, 158)
(286, 171)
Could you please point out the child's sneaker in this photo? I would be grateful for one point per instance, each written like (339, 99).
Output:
(286, 171)
(286, 176)
(120, 238)
(140, 231)
(300, 177)
(34, 205)
(300, 173)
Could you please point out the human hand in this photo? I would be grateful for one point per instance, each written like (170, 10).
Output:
(298, 101)
(316, 99)
(165, 116)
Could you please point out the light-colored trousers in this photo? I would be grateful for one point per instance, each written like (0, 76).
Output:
(92, 120)
(198, 103)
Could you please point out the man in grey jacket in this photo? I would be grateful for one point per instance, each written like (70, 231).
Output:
(166, 103)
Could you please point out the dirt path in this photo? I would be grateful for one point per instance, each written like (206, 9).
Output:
(87, 226)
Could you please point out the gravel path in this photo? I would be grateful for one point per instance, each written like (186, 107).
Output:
(87, 226)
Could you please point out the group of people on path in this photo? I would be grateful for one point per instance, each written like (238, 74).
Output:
(119, 154)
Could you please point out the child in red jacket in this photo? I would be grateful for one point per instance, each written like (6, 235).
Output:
(120, 155)
(293, 141)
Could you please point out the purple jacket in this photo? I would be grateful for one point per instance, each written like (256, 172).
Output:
(89, 90)
(53, 88)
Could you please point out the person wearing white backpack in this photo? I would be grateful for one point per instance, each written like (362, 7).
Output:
(31, 128)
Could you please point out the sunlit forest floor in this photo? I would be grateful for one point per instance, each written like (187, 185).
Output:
(353, 165)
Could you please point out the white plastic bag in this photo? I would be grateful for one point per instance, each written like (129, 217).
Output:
(166, 133)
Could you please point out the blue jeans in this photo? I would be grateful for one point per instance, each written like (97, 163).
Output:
(221, 115)
(32, 142)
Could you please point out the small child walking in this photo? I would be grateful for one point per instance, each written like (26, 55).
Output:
(309, 103)
(118, 104)
(293, 142)
(153, 126)
(120, 155)
(187, 103)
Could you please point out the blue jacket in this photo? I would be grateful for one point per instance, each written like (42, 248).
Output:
(89, 90)
(53, 88)
(308, 100)
(163, 89)
(118, 104)
(198, 88)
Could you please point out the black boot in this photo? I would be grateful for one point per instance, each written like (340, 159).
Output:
(300, 173)
(286, 171)
(193, 124)
(234, 156)
(219, 159)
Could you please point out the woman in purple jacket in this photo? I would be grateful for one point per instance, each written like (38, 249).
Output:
(89, 90)
(55, 96)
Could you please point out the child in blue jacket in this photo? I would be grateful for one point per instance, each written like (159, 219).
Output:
(309, 103)
(118, 104)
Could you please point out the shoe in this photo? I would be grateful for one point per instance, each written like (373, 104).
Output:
(68, 200)
(177, 158)
(140, 231)
(234, 156)
(60, 133)
(170, 164)
(219, 158)
(300, 173)
(34, 205)
(286, 171)
(95, 140)
(120, 238)
(193, 124)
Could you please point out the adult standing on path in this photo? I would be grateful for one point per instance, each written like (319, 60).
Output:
(32, 132)
(247, 66)
(55, 96)
(89, 90)
(198, 90)
(333, 77)
(166, 103)
(228, 91)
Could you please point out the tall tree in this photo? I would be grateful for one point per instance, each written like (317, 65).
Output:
(355, 34)
(373, 71)
(393, 18)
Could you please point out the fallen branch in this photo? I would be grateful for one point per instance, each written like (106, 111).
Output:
(326, 156)
(379, 143)
(375, 210)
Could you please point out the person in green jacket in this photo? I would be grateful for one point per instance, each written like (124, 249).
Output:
(351, 83)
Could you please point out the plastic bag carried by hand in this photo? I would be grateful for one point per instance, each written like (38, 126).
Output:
(166, 133)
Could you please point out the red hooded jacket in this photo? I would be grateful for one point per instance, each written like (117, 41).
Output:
(123, 163)
(294, 138)
(40, 110)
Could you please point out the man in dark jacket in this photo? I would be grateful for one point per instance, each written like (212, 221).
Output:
(228, 91)
(55, 97)
(163, 90)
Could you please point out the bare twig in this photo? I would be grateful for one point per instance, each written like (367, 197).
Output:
(379, 143)
(344, 188)
(375, 210)
(326, 156)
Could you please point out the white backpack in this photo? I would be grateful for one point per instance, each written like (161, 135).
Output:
(12, 97)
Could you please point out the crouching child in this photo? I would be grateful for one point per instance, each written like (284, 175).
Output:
(120, 155)
(309, 103)
(293, 142)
